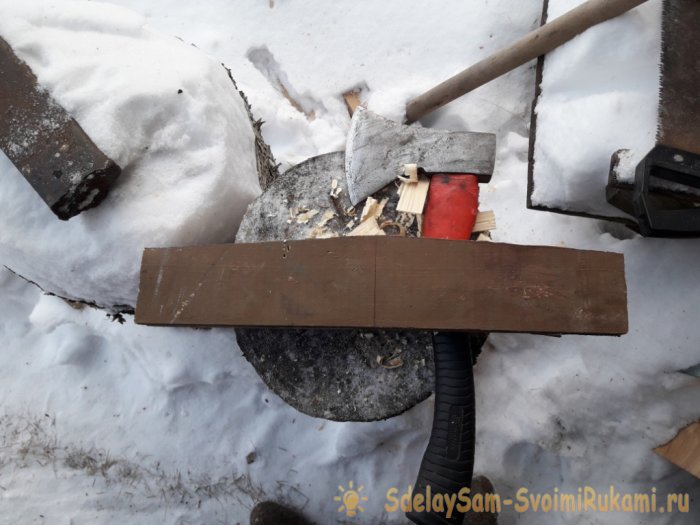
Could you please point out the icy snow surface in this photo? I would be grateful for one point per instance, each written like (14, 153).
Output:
(166, 112)
(105, 422)
(599, 95)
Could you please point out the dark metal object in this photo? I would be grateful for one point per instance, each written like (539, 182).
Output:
(47, 145)
(377, 149)
(679, 97)
(660, 209)
(620, 194)
(676, 166)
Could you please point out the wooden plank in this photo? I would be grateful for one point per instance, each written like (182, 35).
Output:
(46, 145)
(494, 287)
(302, 283)
(386, 282)
(684, 449)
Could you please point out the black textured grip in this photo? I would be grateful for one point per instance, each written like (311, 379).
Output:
(448, 461)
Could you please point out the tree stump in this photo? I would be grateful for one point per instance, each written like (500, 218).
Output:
(343, 375)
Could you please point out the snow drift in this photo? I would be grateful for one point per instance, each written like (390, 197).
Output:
(167, 113)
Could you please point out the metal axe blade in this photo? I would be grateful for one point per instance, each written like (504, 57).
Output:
(377, 149)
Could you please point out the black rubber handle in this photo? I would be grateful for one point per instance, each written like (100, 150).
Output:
(448, 462)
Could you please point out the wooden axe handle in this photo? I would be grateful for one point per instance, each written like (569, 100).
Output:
(538, 42)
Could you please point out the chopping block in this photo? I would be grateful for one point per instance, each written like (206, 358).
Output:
(342, 375)
(371, 285)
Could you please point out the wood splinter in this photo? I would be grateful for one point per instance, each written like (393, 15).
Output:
(684, 449)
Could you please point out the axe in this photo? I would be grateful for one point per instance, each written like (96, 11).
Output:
(456, 163)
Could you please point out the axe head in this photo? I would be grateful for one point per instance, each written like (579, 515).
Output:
(377, 149)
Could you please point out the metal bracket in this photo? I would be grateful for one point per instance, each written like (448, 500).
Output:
(675, 166)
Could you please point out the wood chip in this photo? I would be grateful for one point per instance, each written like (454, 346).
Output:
(413, 196)
(305, 217)
(370, 204)
(326, 217)
(321, 232)
(390, 362)
(352, 100)
(485, 221)
(393, 224)
(355, 97)
(684, 449)
(368, 227)
(410, 173)
(373, 208)
(336, 191)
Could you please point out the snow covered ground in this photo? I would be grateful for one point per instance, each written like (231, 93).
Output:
(104, 422)
(167, 113)
(610, 107)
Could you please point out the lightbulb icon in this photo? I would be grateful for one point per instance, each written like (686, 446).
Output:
(350, 499)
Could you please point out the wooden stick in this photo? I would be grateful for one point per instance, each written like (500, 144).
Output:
(538, 42)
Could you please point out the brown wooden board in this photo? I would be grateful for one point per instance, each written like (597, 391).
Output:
(386, 282)
(46, 145)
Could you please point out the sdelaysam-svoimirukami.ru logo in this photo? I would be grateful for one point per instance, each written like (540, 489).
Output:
(350, 499)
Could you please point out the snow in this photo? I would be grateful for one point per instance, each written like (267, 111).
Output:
(166, 112)
(599, 95)
(105, 422)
